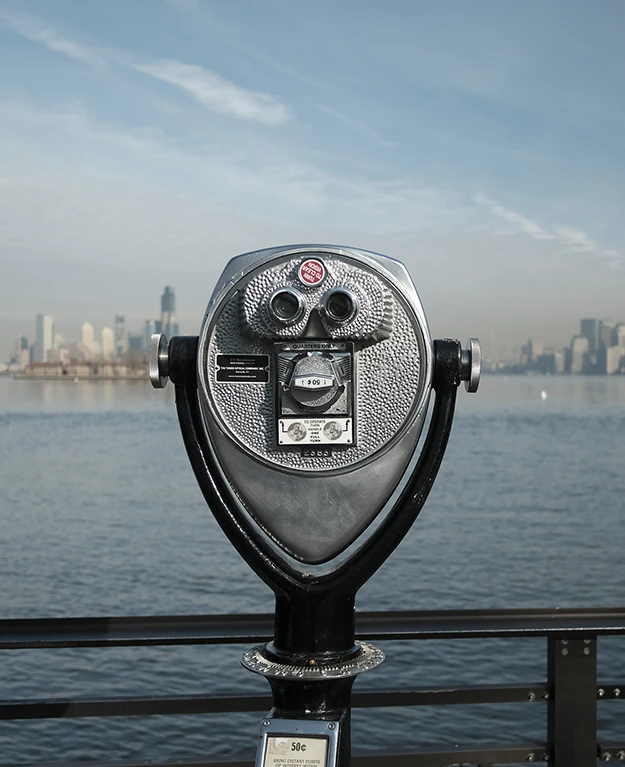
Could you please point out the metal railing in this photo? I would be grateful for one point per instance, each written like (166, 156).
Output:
(570, 693)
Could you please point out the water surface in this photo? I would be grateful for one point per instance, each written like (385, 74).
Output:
(101, 516)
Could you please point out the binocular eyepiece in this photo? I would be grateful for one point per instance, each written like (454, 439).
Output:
(287, 306)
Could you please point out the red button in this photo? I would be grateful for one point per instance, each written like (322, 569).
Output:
(311, 272)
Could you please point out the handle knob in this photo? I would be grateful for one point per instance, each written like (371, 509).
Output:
(158, 360)
(471, 365)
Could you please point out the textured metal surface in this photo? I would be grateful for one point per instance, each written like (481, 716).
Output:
(387, 396)
(395, 372)
(253, 628)
(369, 657)
(370, 293)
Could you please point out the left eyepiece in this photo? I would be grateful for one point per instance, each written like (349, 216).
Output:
(286, 306)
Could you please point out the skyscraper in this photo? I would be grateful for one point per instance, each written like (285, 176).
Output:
(44, 337)
(169, 325)
(87, 337)
(21, 352)
(606, 333)
(108, 343)
(121, 337)
(589, 328)
(150, 329)
(579, 354)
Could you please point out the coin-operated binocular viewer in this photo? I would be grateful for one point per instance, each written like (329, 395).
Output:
(301, 405)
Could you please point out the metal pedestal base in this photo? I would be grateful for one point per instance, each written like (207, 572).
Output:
(369, 657)
(309, 725)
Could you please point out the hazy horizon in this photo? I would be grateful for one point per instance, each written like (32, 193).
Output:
(144, 144)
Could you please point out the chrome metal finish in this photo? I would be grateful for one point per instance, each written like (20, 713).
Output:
(472, 365)
(369, 657)
(286, 321)
(158, 360)
(390, 309)
(329, 316)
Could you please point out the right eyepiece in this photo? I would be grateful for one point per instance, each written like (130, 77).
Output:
(286, 306)
(339, 306)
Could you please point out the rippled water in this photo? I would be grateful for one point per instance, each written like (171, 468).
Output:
(101, 516)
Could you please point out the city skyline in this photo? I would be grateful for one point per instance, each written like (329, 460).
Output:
(598, 348)
(110, 341)
(149, 142)
(496, 345)
(582, 354)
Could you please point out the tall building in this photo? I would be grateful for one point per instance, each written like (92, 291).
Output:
(151, 327)
(590, 329)
(614, 359)
(87, 337)
(44, 337)
(579, 354)
(135, 343)
(606, 337)
(169, 325)
(530, 353)
(606, 333)
(121, 337)
(21, 351)
(108, 343)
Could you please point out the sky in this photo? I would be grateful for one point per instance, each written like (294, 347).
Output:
(143, 143)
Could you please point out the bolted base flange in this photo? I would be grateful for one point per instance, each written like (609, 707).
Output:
(369, 657)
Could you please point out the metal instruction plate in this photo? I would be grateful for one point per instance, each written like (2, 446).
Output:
(315, 431)
(242, 368)
(295, 751)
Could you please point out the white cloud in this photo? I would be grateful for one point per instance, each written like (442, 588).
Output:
(34, 29)
(209, 89)
(276, 186)
(526, 225)
(577, 238)
(567, 238)
(217, 94)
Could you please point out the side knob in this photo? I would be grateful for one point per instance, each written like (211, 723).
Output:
(158, 360)
(472, 365)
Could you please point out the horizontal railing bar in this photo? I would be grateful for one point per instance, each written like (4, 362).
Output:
(450, 696)
(254, 627)
(135, 631)
(445, 757)
(610, 752)
(56, 708)
(452, 757)
(611, 691)
(459, 624)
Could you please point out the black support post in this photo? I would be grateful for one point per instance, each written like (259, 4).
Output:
(572, 705)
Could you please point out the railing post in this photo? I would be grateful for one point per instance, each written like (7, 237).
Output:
(572, 705)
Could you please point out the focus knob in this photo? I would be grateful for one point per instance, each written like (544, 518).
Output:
(472, 365)
(158, 360)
